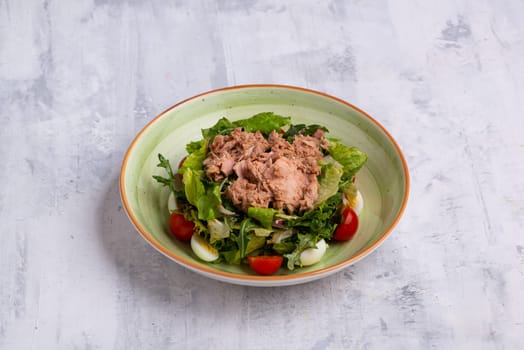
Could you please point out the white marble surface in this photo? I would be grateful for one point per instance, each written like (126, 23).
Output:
(78, 79)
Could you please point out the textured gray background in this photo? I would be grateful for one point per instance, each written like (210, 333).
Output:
(78, 79)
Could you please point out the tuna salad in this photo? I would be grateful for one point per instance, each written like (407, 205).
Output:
(265, 192)
(268, 172)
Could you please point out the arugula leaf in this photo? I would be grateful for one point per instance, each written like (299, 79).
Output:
(262, 215)
(264, 122)
(169, 181)
(305, 241)
(242, 239)
(351, 158)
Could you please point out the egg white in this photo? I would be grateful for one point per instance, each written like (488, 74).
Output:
(203, 249)
(311, 256)
(358, 203)
(171, 203)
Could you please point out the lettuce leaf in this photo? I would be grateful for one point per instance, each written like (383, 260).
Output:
(328, 182)
(218, 229)
(232, 256)
(262, 232)
(194, 160)
(263, 215)
(194, 146)
(208, 204)
(263, 122)
(254, 243)
(206, 200)
(223, 126)
(351, 158)
(350, 191)
(193, 186)
(305, 241)
(322, 220)
(284, 247)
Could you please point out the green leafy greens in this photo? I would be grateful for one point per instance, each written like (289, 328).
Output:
(264, 122)
(304, 242)
(351, 158)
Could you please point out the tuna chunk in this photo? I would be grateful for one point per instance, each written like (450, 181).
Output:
(225, 151)
(245, 194)
(269, 173)
(288, 184)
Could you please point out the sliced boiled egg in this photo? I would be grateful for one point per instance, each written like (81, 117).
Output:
(203, 249)
(355, 201)
(171, 203)
(311, 256)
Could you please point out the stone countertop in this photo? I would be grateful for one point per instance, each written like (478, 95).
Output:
(79, 79)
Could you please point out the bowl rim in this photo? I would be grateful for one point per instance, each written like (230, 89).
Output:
(257, 279)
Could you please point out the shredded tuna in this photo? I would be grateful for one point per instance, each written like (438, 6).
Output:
(225, 151)
(270, 173)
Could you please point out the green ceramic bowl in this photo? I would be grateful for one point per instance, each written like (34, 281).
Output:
(383, 182)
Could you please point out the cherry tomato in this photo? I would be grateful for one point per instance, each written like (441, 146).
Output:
(348, 227)
(265, 265)
(180, 227)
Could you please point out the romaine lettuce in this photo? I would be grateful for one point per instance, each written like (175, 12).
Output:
(206, 200)
(263, 215)
(305, 241)
(328, 182)
(351, 158)
(194, 160)
(263, 122)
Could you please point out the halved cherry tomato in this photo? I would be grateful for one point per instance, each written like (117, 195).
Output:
(348, 227)
(265, 265)
(180, 227)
